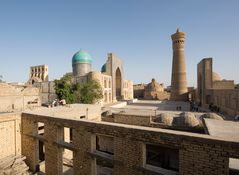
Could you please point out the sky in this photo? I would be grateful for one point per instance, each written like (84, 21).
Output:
(138, 31)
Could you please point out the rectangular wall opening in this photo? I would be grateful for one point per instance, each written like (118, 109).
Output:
(67, 135)
(67, 161)
(41, 152)
(41, 147)
(105, 151)
(105, 144)
(40, 128)
(162, 157)
(233, 166)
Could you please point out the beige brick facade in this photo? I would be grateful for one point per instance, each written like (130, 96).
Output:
(198, 154)
(220, 93)
(18, 98)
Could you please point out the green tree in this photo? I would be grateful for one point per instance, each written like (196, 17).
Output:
(1, 78)
(64, 89)
(88, 93)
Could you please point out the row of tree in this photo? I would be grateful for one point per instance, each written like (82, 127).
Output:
(87, 93)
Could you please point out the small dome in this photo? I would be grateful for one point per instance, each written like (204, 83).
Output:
(216, 77)
(154, 86)
(212, 116)
(186, 119)
(103, 68)
(81, 57)
(164, 118)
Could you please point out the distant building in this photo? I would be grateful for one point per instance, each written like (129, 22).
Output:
(139, 90)
(18, 97)
(150, 91)
(38, 74)
(111, 78)
(214, 92)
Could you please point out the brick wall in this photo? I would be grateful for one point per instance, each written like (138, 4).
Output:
(198, 153)
(226, 99)
(132, 119)
(18, 98)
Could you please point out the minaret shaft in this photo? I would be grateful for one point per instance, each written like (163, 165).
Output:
(179, 81)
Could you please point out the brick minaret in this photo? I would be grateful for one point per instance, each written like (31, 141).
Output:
(179, 82)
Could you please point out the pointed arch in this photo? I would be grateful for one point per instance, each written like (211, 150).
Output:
(118, 79)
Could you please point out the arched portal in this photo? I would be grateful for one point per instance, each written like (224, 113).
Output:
(118, 84)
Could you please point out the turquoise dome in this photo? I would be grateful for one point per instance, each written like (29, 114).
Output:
(103, 68)
(81, 57)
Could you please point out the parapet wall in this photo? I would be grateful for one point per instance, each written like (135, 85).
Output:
(198, 154)
(224, 84)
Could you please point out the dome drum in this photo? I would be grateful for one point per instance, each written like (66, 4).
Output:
(81, 63)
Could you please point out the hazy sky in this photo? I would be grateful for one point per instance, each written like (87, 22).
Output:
(50, 32)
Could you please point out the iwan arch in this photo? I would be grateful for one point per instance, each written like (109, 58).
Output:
(111, 77)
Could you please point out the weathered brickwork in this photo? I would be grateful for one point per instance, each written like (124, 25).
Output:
(123, 147)
(18, 97)
(226, 99)
(84, 142)
(132, 119)
(55, 153)
(30, 144)
(220, 93)
(203, 159)
(198, 153)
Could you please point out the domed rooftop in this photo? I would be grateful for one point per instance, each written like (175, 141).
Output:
(186, 119)
(154, 86)
(164, 118)
(103, 68)
(81, 57)
(216, 77)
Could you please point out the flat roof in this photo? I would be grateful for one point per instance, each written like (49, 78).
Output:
(223, 129)
(73, 111)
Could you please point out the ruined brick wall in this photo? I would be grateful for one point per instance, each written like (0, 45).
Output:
(18, 98)
(198, 153)
(47, 91)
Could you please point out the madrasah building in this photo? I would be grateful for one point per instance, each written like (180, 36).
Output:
(111, 78)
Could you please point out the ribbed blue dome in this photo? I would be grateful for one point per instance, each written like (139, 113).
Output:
(81, 57)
